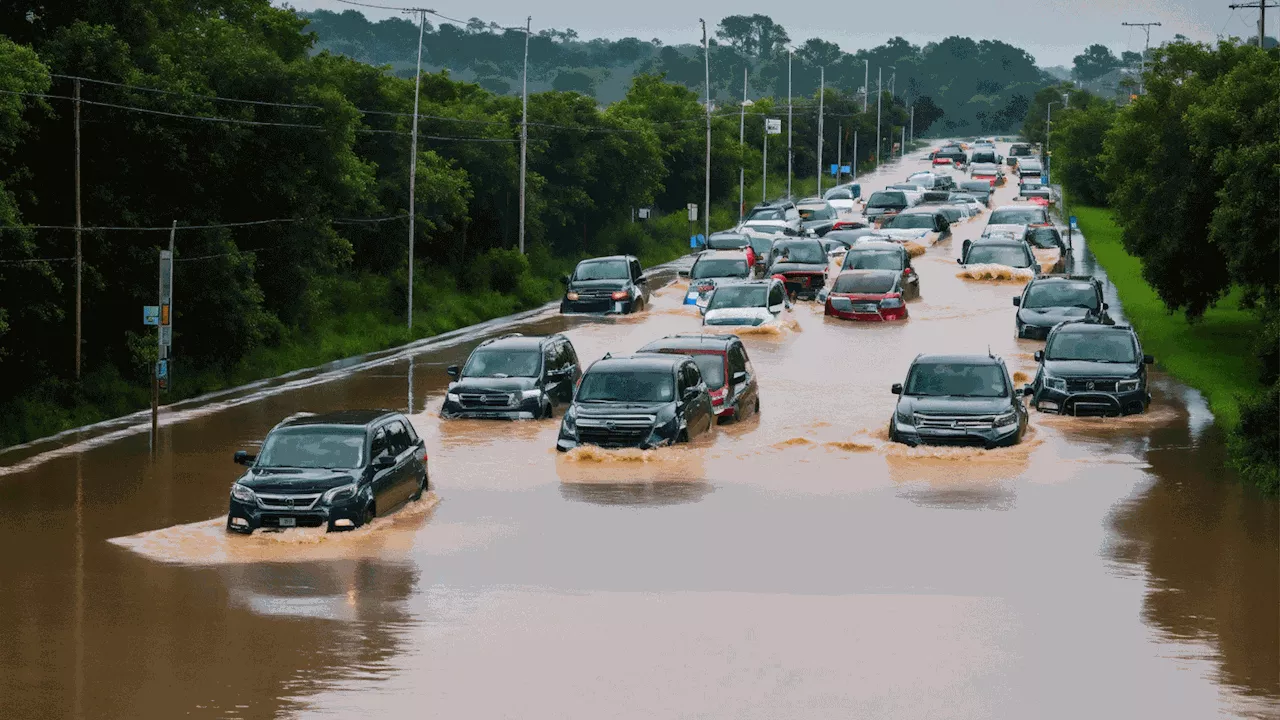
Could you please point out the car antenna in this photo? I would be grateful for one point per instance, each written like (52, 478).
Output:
(989, 354)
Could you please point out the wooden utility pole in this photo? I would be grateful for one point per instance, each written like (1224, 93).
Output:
(79, 256)
(1262, 17)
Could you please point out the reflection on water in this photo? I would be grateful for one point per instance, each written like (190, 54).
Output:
(648, 494)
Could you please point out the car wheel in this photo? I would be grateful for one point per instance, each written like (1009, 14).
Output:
(422, 488)
(893, 434)
(547, 411)
(370, 512)
(683, 437)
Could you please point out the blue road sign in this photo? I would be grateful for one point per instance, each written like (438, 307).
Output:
(697, 240)
(844, 169)
(1044, 178)
(150, 314)
(1073, 222)
(835, 169)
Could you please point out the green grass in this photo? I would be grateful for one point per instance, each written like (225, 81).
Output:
(1214, 355)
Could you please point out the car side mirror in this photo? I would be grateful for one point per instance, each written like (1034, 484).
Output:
(1028, 390)
(642, 279)
(823, 294)
(564, 280)
(243, 458)
(896, 389)
(959, 261)
(1148, 360)
(384, 461)
(739, 377)
(684, 273)
(1017, 301)
(1105, 306)
(453, 371)
(1039, 356)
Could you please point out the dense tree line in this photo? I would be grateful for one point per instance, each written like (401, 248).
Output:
(1191, 170)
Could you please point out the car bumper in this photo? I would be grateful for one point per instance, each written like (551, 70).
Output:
(597, 307)
(526, 410)
(566, 442)
(1095, 403)
(245, 517)
(882, 316)
(1033, 332)
(983, 437)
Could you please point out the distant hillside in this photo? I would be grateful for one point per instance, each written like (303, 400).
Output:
(959, 85)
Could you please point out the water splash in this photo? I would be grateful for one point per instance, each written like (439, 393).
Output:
(997, 273)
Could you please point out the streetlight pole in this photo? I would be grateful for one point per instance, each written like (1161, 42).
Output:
(524, 125)
(413, 155)
(742, 129)
(879, 93)
(790, 53)
(913, 123)
(706, 208)
(822, 92)
(1048, 115)
(866, 84)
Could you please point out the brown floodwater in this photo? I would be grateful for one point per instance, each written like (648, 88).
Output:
(797, 565)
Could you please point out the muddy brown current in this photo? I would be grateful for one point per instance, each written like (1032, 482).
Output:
(794, 566)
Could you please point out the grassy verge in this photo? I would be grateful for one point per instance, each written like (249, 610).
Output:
(1214, 355)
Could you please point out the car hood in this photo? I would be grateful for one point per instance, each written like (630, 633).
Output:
(614, 409)
(793, 267)
(1048, 317)
(492, 384)
(807, 224)
(296, 480)
(953, 405)
(901, 234)
(597, 284)
(1089, 368)
(738, 316)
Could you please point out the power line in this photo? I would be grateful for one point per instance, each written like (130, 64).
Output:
(208, 226)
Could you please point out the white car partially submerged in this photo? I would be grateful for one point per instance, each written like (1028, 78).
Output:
(921, 225)
(749, 303)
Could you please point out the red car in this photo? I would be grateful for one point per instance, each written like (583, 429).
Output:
(941, 160)
(873, 295)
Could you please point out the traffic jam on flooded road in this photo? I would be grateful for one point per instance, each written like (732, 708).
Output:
(820, 467)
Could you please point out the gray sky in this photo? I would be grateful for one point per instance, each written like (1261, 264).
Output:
(1052, 30)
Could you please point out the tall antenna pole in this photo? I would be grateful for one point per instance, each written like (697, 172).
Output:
(822, 92)
(706, 208)
(742, 130)
(524, 125)
(790, 52)
(413, 156)
(79, 256)
(1146, 27)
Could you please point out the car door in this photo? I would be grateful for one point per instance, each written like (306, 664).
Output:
(384, 478)
(637, 275)
(406, 480)
(744, 391)
(551, 378)
(417, 462)
(701, 414)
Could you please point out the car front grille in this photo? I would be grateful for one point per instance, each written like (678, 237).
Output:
(486, 400)
(595, 294)
(955, 422)
(615, 431)
(803, 280)
(1090, 385)
(286, 503)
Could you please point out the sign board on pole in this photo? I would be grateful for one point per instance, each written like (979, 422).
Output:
(693, 212)
(162, 374)
(643, 213)
(166, 338)
(1073, 223)
(150, 314)
(773, 126)
(696, 241)
(1044, 179)
(834, 170)
(845, 169)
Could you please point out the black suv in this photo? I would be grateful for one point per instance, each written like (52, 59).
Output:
(1091, 369)
(802, 263)
(725, 366)
(339, 470)
(1052, 299)
(609, 285)
(958, 400)
(644, 400)
(513, 377)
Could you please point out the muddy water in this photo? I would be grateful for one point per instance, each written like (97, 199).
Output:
(796, 565)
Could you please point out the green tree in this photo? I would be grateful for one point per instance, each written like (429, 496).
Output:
(1094, 62)
(1077, 145)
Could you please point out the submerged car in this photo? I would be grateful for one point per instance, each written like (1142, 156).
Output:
(883, 255)
(711, 267)
(1091, 369)
(1018, 151)
(338, 470)
(802, 263)
(1050, 249)
(726, 369)
(645, 400)
(749, 303)
(728, 240)
(1009, 252)
(514, 377)
(817, 216)
(989, 172)
(981, 189)
(1050, 300)
(958, 400)
(886, 203)
(924, 225)
(874, 295)
(1030, 215)
(608, 285)
(782, 215)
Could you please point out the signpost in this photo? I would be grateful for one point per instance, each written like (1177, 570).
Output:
(150, 314)
(772, 126)
(164, 321)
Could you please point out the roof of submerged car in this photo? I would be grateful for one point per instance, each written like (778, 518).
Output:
(878, 246)
(959, 359)
(691, 342)
(514, 341)
(643, 360)
(354, 418)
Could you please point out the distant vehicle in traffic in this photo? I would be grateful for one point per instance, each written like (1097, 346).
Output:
(987, 171)
(711, 267)
(644, 400)
(1036, 194)
(951, 156)
(513, 377)
(1001, 250)
(749, 303)
(985, 154)
(1018, 151)
(1049, 248)
(802, 263)
(1091, 369)
(1029, 167)
(730, 240)
(922, 224)
(817, 216)
(886, 202)
(726, 369)
(1011, 231)
(608, 285)
(1030, 215)
(782, 214)
(874, 295)
(337, 470)
(980, 189)
(882, 255)
(843, 199)
(958, 400)
(1050, 300)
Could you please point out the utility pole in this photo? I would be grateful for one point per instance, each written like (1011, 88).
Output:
(822, 93)
(164, 336)
(903, 150)
(413, 156)
(742, 172)
(1262, 16)
(913, 123)
(866, 84)
(790, 53)
(879, 93)
(524, 122)
(854, 165)
(1048, 116)
(706, 56)
(839, 150)
(1146, 27)
(79, 255)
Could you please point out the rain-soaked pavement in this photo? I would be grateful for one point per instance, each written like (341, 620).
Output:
(795, 566)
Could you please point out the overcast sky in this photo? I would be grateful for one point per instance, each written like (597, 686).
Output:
(1052, 30)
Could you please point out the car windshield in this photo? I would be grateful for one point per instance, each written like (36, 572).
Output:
(503, 363)
(766, 229)
(738, 296)
(313, 447)
(719, 267)
(636, 386)
(874, 260)
(1045, 238)
(712, 367)
(1016, 216)
(726, 242)
(983, 170)
(952, 213)
(1020, 150)
(957, 379)
(1096, 346)
(811, 212)
(911, 222)
(984, 157)
(766, 214)
(1010, 255)
(864, 283)
(602, 270)
(887, 199)
(981, 186)
(1061, 294)
(761, 246)
(839, 195)
(803, 253)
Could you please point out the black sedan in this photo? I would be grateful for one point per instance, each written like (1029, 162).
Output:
(608, 285)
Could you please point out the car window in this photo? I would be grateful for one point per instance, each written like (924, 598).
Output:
(502, 363)
(1061, 294)
(737, 359)
(737, 296)
(693, 376)
(550, 358)
(570, 355)
(1010, 255)
(857, 283)
(602, 270)
(1045, 238)
(719, 267)
(1096, 346)
(803, 252)
(776, 295)
(397, 437)
(726, 242)
(711, 369)
(635, 270)
(911, 222)
(874, 260)
(956, 379)
(312, 447)
(381, 444)
(624, 385)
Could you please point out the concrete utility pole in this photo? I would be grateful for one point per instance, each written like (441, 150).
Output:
(742, 136)
(913, 123)
(822, 92)
(413, 154)
(854, 165)
(1146, 27)
(524, 124)
(839, 152)
(706, 56)
(790, 53)
(79, 255)
(1262, 16)
(1048, 116)
(866, 82)
(879, 93)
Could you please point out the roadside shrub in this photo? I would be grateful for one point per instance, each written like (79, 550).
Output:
(498, 269)
(1256, 440)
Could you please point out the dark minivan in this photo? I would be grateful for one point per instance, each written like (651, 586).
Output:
(643, 400)
(338, 470)
(513, 377)
(608, 285)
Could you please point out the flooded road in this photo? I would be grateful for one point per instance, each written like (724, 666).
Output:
(794, 566)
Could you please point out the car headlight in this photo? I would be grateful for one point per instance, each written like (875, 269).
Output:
(571, 295)
(1128, 385)
(451, 397)
(620, 295)
(342, 493)
(905, 418)
(889, 303)
(530, 394)
(570, 423)
(1007, 419)
(1055, 383)
(243, 493)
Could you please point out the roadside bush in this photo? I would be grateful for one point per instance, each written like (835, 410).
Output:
(1255, 443)
(498, 269)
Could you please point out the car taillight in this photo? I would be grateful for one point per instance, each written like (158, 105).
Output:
(906, 272)
(706, 287)
(619, 295)
(718, 396)
(425, 456)
(891, 301)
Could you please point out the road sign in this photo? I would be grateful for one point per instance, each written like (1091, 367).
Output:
(696, 241)
(845, 169)
(1044, 179)
(773, 126)
(643, 213)
(834, 170)
(1073, 223)
(693, 212)
(162, 374)
(150, 314)
(166, 337)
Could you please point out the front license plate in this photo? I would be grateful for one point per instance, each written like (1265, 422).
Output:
(288, 522)
(865, 308)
